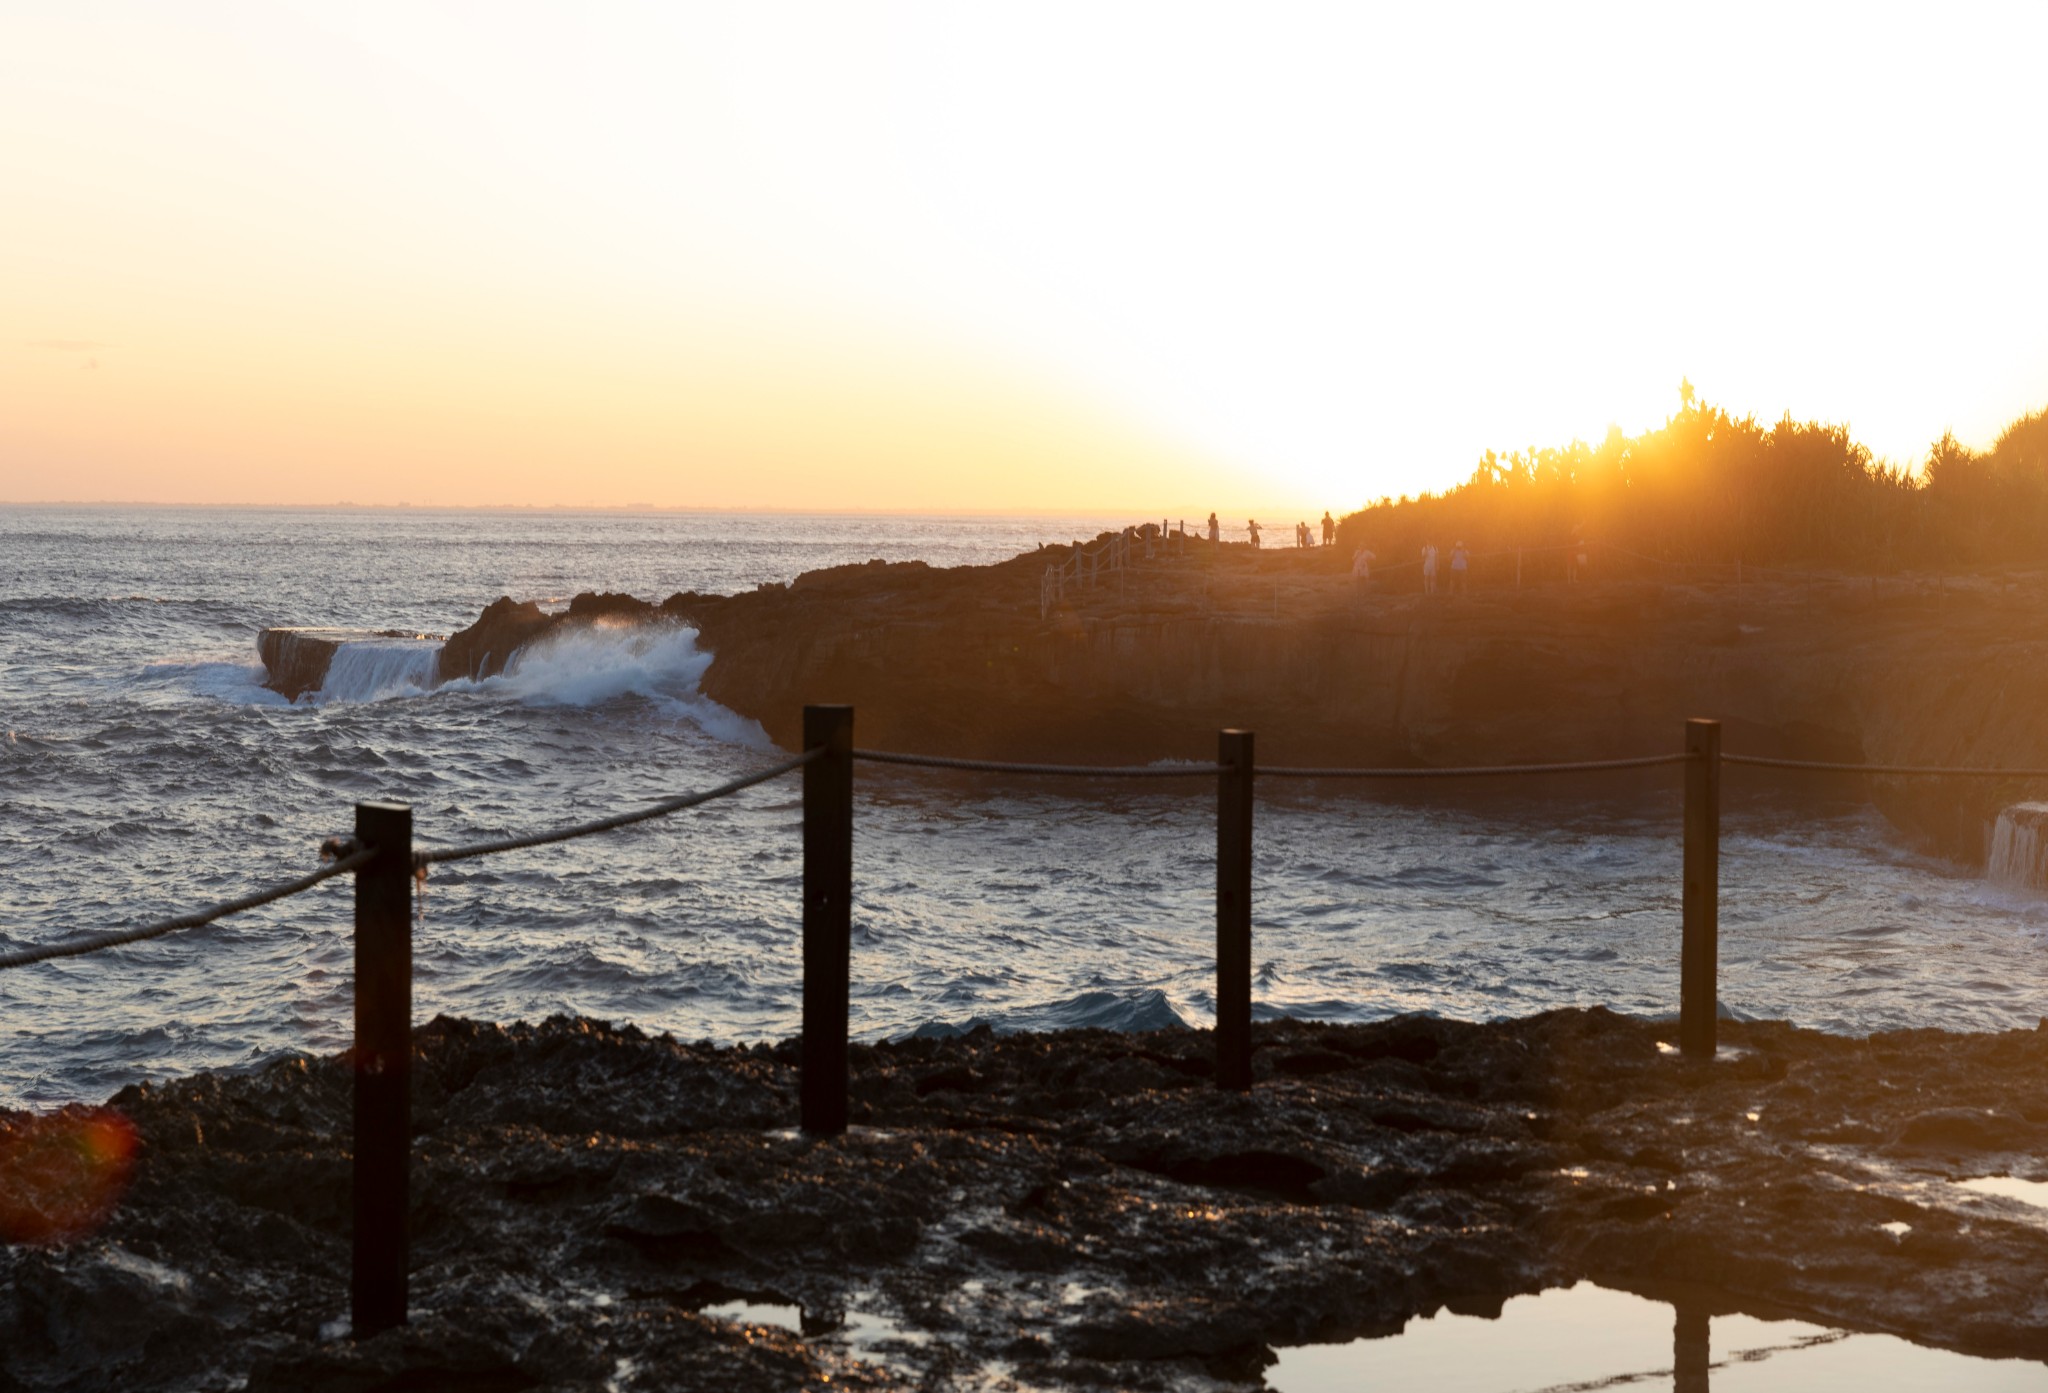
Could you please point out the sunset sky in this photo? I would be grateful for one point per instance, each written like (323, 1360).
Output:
(960, 256)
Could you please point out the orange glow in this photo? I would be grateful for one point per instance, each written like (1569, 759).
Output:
(62, 1173)
(1148, 258)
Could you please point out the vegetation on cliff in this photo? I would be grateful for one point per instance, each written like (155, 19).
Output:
(1706, 487)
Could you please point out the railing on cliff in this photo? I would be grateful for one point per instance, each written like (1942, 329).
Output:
(386, 864)
(1086, 563)
(1580, 561)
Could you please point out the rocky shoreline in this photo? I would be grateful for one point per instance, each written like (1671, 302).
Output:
(1150, 662)
(1081, 1210)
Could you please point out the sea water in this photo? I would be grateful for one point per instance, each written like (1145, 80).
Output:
(144, 771)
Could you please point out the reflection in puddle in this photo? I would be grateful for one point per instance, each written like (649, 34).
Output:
(866, 1334)
(790, 1318)
(1582, 1338)
(2007, 1188)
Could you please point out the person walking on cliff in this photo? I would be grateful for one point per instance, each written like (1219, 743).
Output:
(1429, 568)
(1361, 571)
(1329, 529)
(1252, 526)
(1461, 560)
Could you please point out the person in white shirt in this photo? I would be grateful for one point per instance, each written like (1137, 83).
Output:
(1460, 560)
(1429, 568)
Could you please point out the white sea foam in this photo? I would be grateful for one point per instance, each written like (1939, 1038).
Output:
(598, 663)
(379, 669)
(2019, 847)
(236, 682)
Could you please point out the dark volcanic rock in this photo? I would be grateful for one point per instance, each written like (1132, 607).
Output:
(1082, 1207)
(486, 646)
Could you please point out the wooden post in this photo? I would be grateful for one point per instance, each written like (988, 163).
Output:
(828, 916)
(1699, 952)
(1234, 911)
(1691, 1350)
(383, 1068)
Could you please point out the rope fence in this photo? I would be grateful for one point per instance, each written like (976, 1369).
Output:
(78, 947)
(385, 862)
(438, 855)
(1929, 771)
(1078, 771)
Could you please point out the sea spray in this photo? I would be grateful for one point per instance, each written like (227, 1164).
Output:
(2019, 847)
(590, 665)
(379, 669)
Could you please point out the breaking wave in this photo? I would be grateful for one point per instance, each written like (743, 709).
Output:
(590, 666)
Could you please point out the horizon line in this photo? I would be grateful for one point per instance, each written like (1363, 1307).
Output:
(635, 508)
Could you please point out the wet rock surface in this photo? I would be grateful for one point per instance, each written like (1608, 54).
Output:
(1068, 1211)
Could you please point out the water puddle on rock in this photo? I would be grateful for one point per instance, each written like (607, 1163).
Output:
(866, 1334)
(1582, 1338)
(2006, 1187)
(790, 1318)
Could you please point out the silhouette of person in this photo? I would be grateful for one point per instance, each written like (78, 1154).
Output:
(1252, 526)
(1361, 569)
(1329, 529)
(1215, 532)
(1429, 568)
(1460, 561)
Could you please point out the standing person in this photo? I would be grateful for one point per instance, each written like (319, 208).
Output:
(1215, 532)
(1301, 534)
(1329, 529)
(1361, 571)
(1252, 526)
(1429, 568)
(1461, 560)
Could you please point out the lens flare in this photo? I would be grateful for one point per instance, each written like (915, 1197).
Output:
(62, 1173)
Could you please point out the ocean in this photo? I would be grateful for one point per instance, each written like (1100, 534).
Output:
(144, 772)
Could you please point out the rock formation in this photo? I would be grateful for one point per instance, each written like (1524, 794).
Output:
(1151, 661)
(1081, 1210)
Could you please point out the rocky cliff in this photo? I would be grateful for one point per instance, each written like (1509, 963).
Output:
(1150, 662)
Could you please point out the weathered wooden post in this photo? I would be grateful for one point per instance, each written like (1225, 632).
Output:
(1234, 911)
(828, 916)
(383, 1067)
(1699, 952)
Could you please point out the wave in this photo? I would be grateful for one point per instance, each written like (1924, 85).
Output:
(1133, 1011)
(380, 669)
(102, 606)
(600, 663)
(234, 682)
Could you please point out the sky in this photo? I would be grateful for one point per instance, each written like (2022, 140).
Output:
(988, 257)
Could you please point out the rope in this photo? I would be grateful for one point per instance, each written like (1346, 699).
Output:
(1930, 770)
(607, 824)
(1084, 771)
(114, 939)
(1473, 771)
